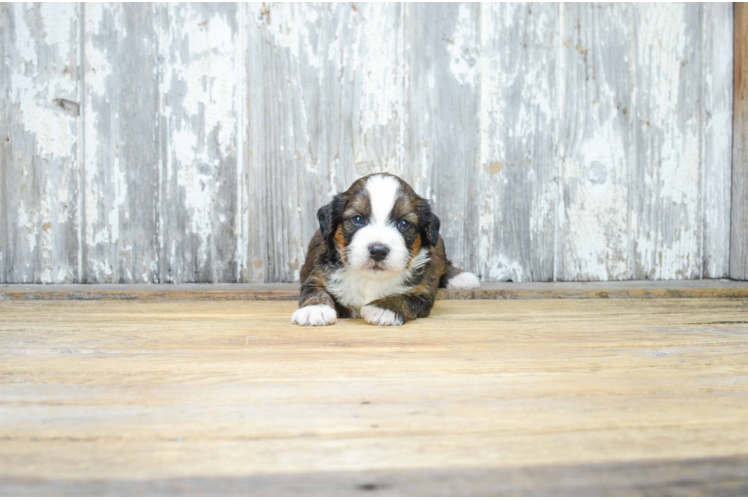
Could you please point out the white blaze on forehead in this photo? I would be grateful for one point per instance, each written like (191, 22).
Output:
(382, 193)
(382, 196)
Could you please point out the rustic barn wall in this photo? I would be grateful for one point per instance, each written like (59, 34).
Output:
(739, 221)
(194, 142)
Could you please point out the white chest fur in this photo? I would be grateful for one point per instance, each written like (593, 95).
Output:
(355, 290)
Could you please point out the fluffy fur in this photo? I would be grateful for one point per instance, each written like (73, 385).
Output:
(377, 255)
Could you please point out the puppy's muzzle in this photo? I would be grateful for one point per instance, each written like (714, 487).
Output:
(378, 252)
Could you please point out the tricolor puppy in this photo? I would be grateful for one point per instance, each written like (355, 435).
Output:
(377, 255)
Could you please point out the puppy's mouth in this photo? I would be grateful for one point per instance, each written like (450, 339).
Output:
(376, 266)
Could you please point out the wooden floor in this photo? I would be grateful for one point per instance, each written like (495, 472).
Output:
(483, 397)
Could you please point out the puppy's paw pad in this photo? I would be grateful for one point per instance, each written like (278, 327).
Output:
(314, 316)
(381, 317)
(463, 281)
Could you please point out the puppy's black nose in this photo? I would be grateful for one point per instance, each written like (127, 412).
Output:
(378, 252)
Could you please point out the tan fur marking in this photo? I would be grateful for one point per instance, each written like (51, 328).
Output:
(340, 241)
(416, 246)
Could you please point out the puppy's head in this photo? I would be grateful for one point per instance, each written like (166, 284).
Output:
(379, 225)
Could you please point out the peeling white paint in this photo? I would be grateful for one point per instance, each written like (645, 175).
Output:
(644, 169)
(462, 47)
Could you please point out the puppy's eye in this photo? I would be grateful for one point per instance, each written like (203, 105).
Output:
(357, 220)
(403, 225)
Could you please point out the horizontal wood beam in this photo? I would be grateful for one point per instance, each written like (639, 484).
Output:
(290, 291)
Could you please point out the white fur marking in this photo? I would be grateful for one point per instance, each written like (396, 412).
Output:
(382, 193)
(318, 315)
(463, 281)
(354, 289)
(381, 317)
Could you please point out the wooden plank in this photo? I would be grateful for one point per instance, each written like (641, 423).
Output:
(121, 152)
(41, 143)
(739, 214)
(442, 152)
(643, 167)
(201, 71)
(325, 100)
(4, 139)
(720, 476)
(514, 190)
(717, 137)
(290, 291)
(595, 141)
(667, 214)
(561, 394)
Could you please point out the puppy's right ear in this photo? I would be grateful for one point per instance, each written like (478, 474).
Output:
(328, 217)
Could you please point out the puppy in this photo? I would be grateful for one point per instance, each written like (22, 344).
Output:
(377, 255)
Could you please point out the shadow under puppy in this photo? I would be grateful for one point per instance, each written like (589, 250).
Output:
(377, 255)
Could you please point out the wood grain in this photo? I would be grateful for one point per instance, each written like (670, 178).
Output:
(714, 476)
(288, 291)
(41, 147)
(594, 142)
(325, 101)
(121, 178)
(512, 192)
(4, 138)
(717, 138)
(200, 83)
(156, 397)
(739, 217)
(442, 130)
(669, 217)
(194, 143)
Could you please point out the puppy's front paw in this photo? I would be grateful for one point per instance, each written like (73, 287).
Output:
(314, 316)
(463, 281)
(382, 317)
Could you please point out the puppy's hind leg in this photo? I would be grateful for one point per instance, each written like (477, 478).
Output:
(457, 279)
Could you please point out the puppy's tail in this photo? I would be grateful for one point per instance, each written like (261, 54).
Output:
(457, 279)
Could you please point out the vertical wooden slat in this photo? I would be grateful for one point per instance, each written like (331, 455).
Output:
(200, 130)
(595, 141)
(514, 190)
(4, 139)
(121, 154)
(667, 215)
(633, 159)
(442, 130)
(288, 164)
(41, 145)
(739, 217)
(717, 137)
(325, 100)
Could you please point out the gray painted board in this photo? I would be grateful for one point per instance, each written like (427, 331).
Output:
(739, 216)
(441, 125)
(514, 187)
(120, 172)
(42, 158)
(325, 107)
(716, 119)
(4, 138)
(194, 142)
(595, 135)
(200, 83)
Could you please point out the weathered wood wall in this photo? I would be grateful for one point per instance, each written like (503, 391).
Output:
(739, 227)
(194, 142)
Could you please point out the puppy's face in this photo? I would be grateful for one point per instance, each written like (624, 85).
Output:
(379, 225)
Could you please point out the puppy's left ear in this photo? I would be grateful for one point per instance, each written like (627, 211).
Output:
(430, 224)
(328, 216)
(324, 216)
